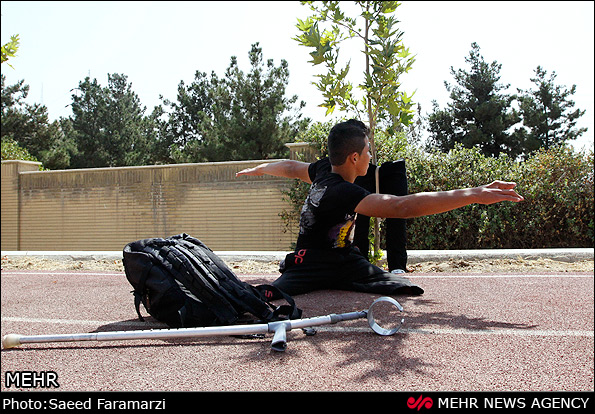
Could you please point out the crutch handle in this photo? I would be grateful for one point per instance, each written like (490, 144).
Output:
(279, 342)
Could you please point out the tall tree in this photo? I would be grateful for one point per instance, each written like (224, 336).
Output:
(383, 104)
(235, 117)
(386, 59)
(28, 125)
(108, 124)
(88, 107)
(548, 112)
(480, 114)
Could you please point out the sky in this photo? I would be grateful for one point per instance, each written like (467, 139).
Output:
(158, 44)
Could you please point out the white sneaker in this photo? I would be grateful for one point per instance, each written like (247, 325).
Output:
(397, 271)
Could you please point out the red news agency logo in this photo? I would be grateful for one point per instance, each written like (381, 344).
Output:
(420, 402)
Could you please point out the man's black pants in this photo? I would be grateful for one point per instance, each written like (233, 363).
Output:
(308, 270)
(393, 180)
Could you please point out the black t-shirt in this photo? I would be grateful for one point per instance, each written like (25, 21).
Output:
(327, 218)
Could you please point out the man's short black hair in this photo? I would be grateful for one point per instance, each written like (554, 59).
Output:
(346, 138)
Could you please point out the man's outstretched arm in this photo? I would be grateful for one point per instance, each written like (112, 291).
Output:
(425, 204)
(285, 168)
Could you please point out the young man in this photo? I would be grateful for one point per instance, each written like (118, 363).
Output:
(389, 178)
(325, 257)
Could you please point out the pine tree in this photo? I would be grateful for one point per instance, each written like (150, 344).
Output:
(480, 113)
(548, 112)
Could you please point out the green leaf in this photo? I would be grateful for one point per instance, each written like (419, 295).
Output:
(389, 6)
(10, 49)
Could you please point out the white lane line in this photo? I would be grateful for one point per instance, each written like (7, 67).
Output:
(409, 275)
(404, 330)
(497, 276)
(462, 331)
(12, 273)
(82, 322)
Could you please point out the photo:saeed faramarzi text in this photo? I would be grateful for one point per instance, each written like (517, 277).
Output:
(91, 403)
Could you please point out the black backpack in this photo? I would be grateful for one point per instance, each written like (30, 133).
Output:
(181, 282)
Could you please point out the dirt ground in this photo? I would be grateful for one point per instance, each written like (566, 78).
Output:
(256, 267)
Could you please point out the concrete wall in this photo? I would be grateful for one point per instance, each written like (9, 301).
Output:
(10, 202)
(105, 208)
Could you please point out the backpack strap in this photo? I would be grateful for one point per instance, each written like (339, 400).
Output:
(253, 299)
(183, 257)
(137, 301)
(269, 293)
(139, 290)
(243, 296)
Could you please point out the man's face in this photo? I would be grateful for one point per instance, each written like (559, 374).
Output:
(363, 161)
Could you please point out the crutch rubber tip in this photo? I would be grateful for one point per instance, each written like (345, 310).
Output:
(11, 340)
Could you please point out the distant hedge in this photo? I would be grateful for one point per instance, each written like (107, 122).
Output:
(557, 185)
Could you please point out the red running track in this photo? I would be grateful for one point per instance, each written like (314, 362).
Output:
(508, 332)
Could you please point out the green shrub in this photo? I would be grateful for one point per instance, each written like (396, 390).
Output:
(557, 185)
(12, 151)
(558, 189)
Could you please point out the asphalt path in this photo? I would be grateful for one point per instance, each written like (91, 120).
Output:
(468, 332)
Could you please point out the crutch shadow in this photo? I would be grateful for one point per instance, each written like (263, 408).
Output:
(132, 325)
(452, 320)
